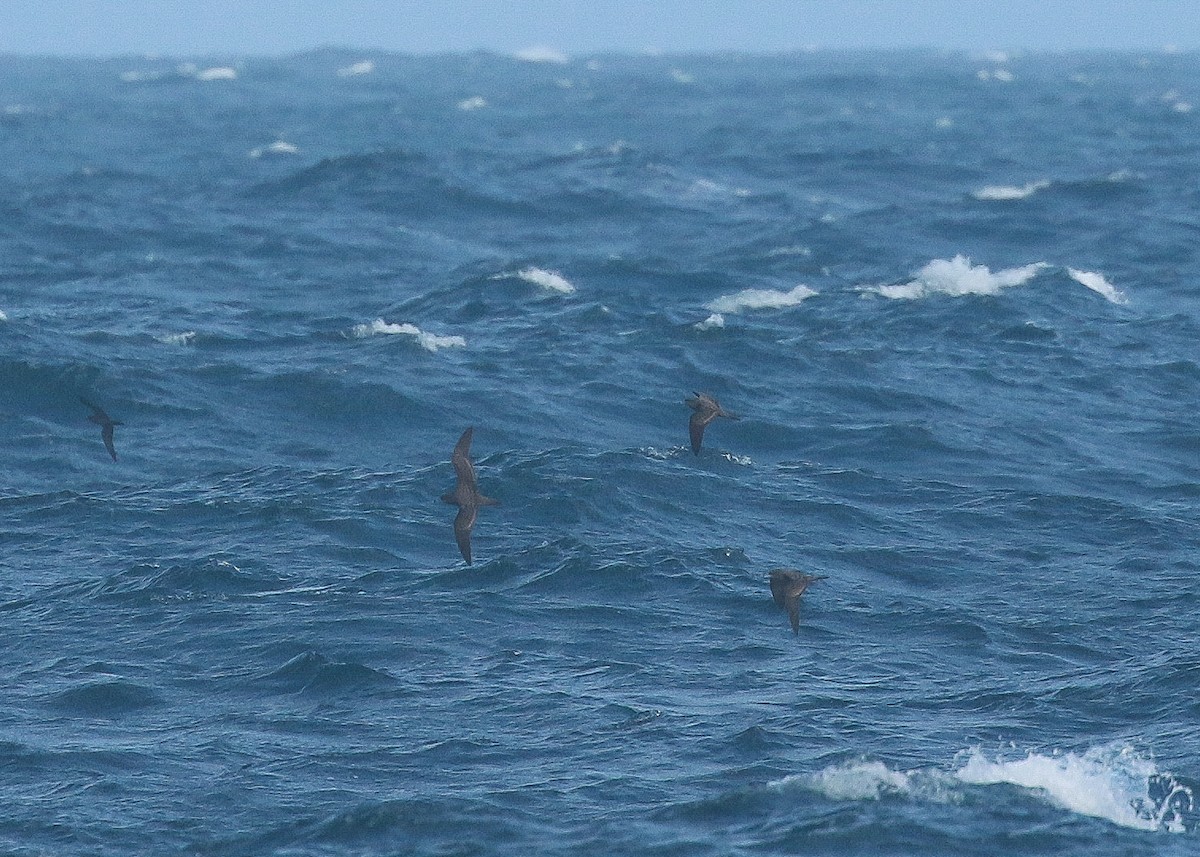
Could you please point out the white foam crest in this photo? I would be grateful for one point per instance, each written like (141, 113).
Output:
(1113, 782)
(217, 73)
(356, 69)
(1007, 192)
(279, 147)
(714, 321)
(476, 102)
(542, 53)
(429, 341)
(550, 280)
(853, 781)
(1107, 782)
(3, 317)
(1098, 284)
(958, 277)
(177, 338)
(759, 299)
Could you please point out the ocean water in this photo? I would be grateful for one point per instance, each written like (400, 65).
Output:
(953, 300)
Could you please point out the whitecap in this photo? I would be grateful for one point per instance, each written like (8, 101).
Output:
(681, 76)
(429, 341)
(550, 280)
(217, 73)
(3, 317)
(716, 320)
(759, 299)
(474, 103)
(1109, 782)
(1098, 284)
(1112, 782)
(541, 53)
(1007, 192)
(279, 147)
(356, 69)
(958, 277)
(852, 781)
(177, 338)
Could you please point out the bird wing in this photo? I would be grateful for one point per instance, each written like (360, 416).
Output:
(696, 425)
(463, 521)
(107, 434)
(97, 411)
(779, 583)
(461, 459)
(793, 609)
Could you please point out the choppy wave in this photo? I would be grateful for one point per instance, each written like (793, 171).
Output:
(958, 277)
(549, 280)
(1113, 782)
(1097, 283)
(759, 299)
(1001, 491)
(1010, 192)
(429, 341)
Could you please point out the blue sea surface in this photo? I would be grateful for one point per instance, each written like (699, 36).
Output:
(952, 299)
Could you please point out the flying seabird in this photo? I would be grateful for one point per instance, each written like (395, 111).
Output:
(106, 424)
(786, 588)
(706, 410)
(465, 495)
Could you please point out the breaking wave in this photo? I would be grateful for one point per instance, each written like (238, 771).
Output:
(957, 277)
(759, 299)
(429, 341)
(1113, 782)
(1098, 284)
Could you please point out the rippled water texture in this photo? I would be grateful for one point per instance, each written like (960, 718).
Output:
(952, 301)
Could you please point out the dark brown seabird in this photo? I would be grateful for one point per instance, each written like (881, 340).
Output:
(706, 410)
(786, 588)
(106, 424)
(465, 495)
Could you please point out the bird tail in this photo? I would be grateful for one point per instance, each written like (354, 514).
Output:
(486, 501)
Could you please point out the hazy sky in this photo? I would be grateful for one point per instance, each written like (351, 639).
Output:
(190, 27)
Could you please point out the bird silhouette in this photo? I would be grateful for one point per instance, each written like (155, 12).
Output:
(786, 588)
(465, 494)
(106, 423)
(706, 409)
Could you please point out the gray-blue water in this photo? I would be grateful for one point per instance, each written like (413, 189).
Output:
(953, 300)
